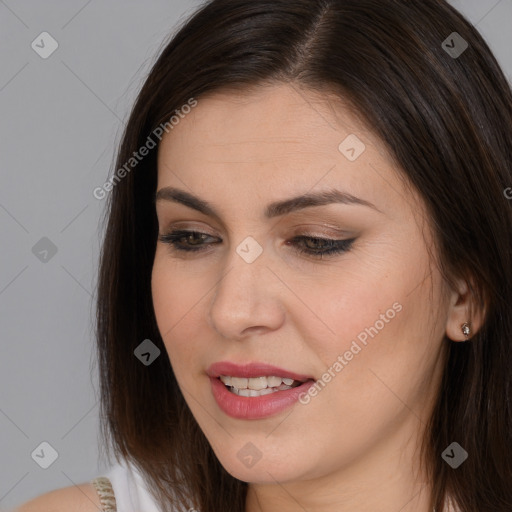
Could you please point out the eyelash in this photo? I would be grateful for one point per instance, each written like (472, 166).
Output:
(333, 246)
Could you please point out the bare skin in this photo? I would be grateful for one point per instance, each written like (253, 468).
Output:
(79, 498)
(354, 446)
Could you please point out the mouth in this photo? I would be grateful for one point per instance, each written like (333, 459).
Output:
(252, 404)
(255, 390)
(255, 370)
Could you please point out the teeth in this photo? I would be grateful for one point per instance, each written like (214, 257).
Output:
(258, 383)
(239, 382)
(257, 386)
(227, 380)
(273, 382)
(253, 392)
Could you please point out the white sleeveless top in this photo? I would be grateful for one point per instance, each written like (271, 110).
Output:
(122, 489)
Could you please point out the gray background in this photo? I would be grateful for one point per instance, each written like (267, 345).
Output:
(61, 119)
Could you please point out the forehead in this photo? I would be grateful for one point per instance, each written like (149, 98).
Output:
(271, 119)
(276, 140)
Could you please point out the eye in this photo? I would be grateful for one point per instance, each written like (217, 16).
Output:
(186, 241)
(327, 246)
(173, 238)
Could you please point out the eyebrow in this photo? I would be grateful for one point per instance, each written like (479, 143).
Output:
(274, 209)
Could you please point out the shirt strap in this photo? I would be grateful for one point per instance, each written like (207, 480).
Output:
(106, 493)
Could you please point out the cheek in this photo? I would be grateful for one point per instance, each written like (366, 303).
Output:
(375, 317)
(346, 307)
(176, 303)
(372, 365)
(176, 292)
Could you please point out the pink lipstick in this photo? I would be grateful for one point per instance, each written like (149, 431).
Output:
(275, 388)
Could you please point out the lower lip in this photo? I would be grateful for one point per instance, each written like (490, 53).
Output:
(255, 407)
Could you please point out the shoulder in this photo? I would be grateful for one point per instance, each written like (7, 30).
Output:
(75, 498)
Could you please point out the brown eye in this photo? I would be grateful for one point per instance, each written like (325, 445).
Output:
(317, 247)
(320, 247)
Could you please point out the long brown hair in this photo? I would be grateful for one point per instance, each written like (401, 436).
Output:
(446, 119)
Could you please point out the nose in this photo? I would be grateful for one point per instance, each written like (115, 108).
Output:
(247, 298)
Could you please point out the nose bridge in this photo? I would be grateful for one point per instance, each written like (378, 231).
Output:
(243, 296)
(245, 267)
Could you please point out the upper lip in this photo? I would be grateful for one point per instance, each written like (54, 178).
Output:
(252, 370)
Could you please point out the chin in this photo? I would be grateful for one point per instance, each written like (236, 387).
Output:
(248, 465)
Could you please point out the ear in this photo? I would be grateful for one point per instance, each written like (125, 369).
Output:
(464, 308)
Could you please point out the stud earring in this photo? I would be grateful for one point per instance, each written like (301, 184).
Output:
(465, 330)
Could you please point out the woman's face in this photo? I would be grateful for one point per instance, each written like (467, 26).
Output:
(366, 322)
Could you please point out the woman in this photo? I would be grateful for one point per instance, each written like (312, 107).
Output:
(306, 277)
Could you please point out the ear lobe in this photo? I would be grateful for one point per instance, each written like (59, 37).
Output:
(464, 312)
